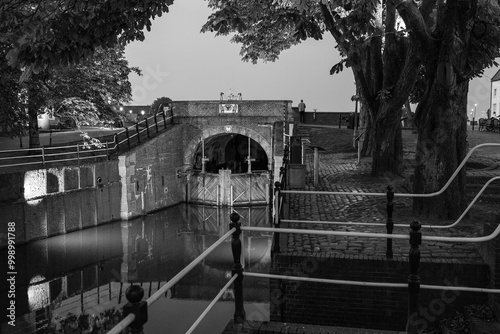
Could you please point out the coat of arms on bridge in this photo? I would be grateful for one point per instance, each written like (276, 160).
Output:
(229, 107)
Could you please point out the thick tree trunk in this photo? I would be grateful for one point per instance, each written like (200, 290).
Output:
(441, 146)
(366, 127)
(33, 132)
(387, 157)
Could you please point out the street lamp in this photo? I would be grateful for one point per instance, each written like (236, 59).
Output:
(474, 116)
(355, 125)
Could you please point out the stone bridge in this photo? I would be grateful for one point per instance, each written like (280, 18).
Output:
(222, 129)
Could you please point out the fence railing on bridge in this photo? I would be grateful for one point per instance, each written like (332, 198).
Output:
(49, 156)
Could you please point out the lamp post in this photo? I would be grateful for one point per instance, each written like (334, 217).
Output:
(474, 116)
(355, 125)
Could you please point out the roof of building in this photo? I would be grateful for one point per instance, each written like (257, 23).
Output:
(496, 77)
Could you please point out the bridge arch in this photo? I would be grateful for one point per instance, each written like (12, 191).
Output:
(209, 132)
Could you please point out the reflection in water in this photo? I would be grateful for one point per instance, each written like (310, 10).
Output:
(77, 279)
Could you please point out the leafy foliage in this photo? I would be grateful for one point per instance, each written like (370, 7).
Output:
(91, 91)
(155, 107)
(12, 97)
(62, 32)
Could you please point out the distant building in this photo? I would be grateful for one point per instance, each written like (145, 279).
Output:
(495, 95)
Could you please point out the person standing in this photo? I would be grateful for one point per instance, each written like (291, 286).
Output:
(302, 111)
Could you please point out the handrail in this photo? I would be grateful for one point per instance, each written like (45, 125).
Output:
(400, 225)
(375, 284)
(372, 235)
(130, 318)
(436, 193)
(209, 307)
(70, 149)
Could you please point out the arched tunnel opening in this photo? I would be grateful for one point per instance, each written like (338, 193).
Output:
(230, 151)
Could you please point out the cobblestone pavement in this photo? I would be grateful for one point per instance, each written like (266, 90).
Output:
(341, 172)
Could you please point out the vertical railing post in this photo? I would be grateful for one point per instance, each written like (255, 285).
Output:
(156, 124)
(239, 311)
(128, 137)
(414, 278)
(78, 154)
(137, 131)
(164, 120)
(138, 307)
(390, 223)
(171, 113)
(340, 120)
(277, 218)
(43, 157)
(147, 127)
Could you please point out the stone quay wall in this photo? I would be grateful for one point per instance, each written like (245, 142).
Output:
(374, 307)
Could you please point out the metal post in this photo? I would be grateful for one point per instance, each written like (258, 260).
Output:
(390, 223)
(138, 307)
(277, 221)
(156, 124)
(147, 126)
(239, 311)
(43, 157)
(128, 137)
(414, 278)
(316, 167)
(171, 114)
(137, 131)
(164, 120)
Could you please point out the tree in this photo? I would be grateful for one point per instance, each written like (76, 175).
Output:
(161, 101)
(44, 34)
(370, 38)
(456, 40)
(90, 91)
(443, 43)
(12, 109)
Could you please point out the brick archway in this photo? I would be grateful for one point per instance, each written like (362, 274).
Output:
(208, 132)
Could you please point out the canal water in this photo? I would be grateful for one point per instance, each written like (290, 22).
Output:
(76, 283)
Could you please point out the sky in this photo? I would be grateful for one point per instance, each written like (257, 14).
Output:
(181, 63)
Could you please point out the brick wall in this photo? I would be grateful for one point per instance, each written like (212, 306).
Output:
(363, 306)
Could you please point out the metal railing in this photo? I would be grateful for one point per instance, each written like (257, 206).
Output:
(135, 312)
(390, 195)
(47, 156)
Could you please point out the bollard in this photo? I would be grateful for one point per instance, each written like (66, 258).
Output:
(138, 307)
(390, 223)
(277, 221)
(414, 278)
(239, 311)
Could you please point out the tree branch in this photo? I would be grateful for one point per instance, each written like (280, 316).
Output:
(415, 23)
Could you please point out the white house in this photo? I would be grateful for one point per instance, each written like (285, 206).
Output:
(495, 95)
